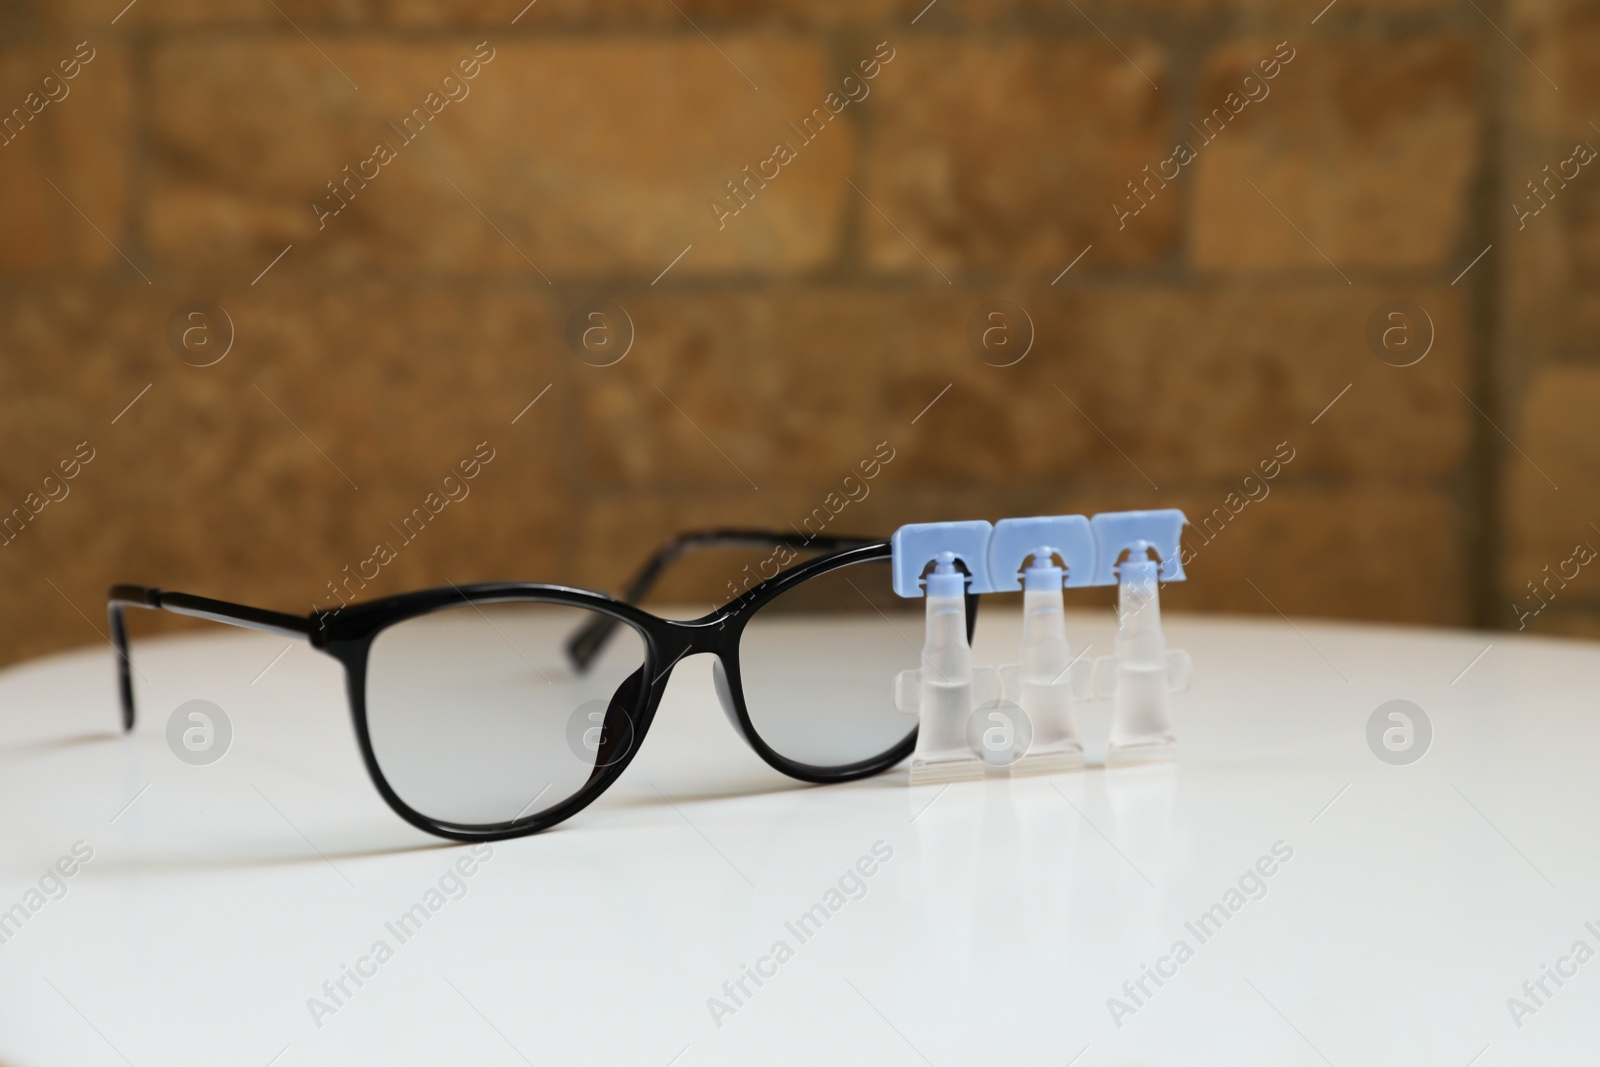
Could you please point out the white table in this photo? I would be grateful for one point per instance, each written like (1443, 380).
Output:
(1417, 899)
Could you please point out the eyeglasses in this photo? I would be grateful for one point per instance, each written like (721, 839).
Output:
(500, 709)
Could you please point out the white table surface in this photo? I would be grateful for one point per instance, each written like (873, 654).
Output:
(1417, 899)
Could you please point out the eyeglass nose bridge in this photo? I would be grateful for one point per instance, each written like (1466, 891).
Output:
(724, 688)
(681, 639)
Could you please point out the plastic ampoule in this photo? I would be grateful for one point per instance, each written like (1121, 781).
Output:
(946, 702)
(1141, 725)
(1045, 692)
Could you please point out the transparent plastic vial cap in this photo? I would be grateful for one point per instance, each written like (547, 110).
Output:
(1042, 575)
(945, 580)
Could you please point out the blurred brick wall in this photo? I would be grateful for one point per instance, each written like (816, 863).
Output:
(775, 349)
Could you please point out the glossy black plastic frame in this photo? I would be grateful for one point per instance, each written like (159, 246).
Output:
(348, 632)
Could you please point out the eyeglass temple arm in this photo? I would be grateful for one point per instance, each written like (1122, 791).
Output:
(588, 640)
(199, 607)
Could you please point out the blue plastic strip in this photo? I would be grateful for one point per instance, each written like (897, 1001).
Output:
(915, 546)
(1014, 540)
(993, 554)
(1117, 531)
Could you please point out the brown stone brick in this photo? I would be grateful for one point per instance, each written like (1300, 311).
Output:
(781, 389)
(1168, 385)
(452, 14)
(1004, 157)
(581, 171)
(1552, 307)
(711, 15)
(1550, 490)
(1550, 235)
(80, 142)
(1391, 553)
(1166, 10)
(1544, 21)
(1326, 17)
(715, 13)
(1181, 384)
(1366, 147)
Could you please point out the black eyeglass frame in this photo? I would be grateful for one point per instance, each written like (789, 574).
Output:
(348, 632)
